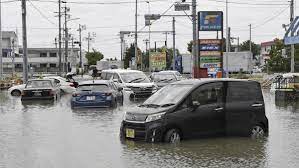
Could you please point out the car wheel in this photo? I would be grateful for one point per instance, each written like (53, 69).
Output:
(172, 136)
(257, 131)
(16, 93)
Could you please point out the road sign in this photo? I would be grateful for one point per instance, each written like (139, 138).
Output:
(181, 7)
(152, 16)
(210, 21)
(291, 40)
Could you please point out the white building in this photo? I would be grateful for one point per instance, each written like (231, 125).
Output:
(265, 51)
(44, 60)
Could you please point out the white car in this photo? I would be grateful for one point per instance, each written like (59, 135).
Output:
(65, 86)
(135, 84)
(16, 90)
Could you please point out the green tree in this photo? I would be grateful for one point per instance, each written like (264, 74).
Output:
(256, 49)
(93, 57)
(278, 63)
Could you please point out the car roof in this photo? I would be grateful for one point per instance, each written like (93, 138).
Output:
(99, 82)
(41, 80)
(197, 82)
(120, 70)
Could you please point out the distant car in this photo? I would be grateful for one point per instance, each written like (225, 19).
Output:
(96, 94)
(65, 86)
(41, 89)
(136, 85)
(164, 78)
(16, 90)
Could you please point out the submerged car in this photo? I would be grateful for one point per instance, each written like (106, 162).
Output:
(65, 86)
(97, 93)
(136, 85)
(164, 78)
(41, 89)
(198, 108)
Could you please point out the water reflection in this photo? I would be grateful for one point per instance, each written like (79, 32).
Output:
(221, 152)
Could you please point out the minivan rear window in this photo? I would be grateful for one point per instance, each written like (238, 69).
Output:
(243, 91)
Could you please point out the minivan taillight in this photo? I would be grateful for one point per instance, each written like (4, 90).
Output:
(108, 94)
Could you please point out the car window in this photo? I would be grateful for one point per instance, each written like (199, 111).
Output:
(116, 76)
(39, 84)
(208, 94)
(93, 87)
(113, 86)
(243, 91)
(108, 76)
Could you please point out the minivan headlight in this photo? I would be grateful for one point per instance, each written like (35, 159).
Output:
(154, 117)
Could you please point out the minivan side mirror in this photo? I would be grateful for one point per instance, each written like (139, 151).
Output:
(195, 104)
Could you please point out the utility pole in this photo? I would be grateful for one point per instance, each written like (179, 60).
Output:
(1, 62)
(227, 40)
(174, 51)
(80, 44)
(292, 46)
(195, 40)
(250, 47)
(238, 44)
(88, 41)
(136, 54)
(229, 37)
(25, 52)
(66, 9)
(59, 36)
(13, 57)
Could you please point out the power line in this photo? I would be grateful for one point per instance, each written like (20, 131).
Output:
(247, 3)
(100, 3)
(40, 12)
(272, 18)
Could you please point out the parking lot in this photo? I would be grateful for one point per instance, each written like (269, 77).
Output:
(52, 135)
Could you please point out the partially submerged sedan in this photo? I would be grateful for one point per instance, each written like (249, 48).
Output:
(164, 78)
(97, 94)
(41, 89)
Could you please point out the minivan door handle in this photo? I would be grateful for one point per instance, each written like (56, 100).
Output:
(218, 109)
(257, 105)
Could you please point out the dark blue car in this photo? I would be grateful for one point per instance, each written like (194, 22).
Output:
(97, 93)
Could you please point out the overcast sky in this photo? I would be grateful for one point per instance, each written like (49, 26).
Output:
(106, 20)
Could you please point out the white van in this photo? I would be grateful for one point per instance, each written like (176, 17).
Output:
(135, 84)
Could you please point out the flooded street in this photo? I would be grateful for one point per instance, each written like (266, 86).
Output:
(54, 136)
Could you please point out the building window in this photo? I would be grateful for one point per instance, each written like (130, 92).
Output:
(19, 65)
(43, 65)
(5, 54)
(43, 55)
(53, 54)
(53, 66)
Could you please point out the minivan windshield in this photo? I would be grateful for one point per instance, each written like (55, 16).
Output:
(134, 77)
(163, 77)
(168, 96)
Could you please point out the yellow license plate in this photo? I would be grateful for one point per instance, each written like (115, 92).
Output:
(130, 133)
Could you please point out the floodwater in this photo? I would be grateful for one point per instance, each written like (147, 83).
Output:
(43, 135)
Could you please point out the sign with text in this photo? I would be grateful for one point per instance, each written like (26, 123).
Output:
(181, 7)
(210, 21)
(209, 53)
(209, 45)
(158, 60)
(209, 59)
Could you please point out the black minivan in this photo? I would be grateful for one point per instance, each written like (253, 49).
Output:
(198, 108)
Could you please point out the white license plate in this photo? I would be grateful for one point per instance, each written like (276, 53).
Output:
(90, 98)
(37, 94)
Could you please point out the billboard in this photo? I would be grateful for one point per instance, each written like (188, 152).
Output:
(209, 53)
(158, 60)
(209, 59)
(210, 21)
